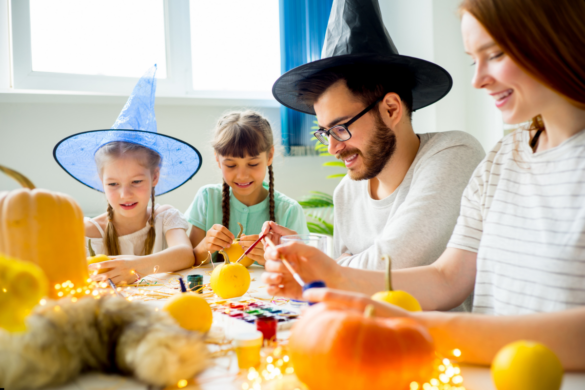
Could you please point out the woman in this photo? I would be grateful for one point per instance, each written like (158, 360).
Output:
(520, 238)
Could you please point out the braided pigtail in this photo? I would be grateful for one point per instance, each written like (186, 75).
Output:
(271, 192)
(151, 236)
(111, 242)
(225, 205)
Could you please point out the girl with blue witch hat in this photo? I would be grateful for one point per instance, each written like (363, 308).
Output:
(131, 163)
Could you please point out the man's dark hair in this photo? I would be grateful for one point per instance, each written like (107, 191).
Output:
(367, 82)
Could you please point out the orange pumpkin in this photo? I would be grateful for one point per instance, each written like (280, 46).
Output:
(45, 228)
(347, 350)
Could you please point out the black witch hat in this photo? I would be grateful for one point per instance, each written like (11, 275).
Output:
(356, 36)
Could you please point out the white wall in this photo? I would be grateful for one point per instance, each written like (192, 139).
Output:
(31, 125)
(29, 131)
(429, 29)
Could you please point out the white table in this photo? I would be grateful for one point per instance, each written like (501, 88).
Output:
(220, 378)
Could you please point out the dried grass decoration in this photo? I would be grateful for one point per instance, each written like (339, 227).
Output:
(107, 334)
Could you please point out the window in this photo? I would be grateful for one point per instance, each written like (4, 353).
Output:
(219, 48)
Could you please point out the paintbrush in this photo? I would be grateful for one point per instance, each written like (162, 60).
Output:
(252, 246)
(287, 265)
(113, 286)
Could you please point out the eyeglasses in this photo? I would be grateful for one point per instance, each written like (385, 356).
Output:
(341, 132)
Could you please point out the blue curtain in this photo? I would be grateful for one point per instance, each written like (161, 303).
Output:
(303, 24)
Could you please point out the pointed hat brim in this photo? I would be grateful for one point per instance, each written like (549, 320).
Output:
(431, 82)
(76, 155)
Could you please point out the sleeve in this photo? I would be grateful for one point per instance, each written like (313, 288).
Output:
(196, 214)
(295, 219)
(339, 246)
(421, 227)
(173, 219)
(469, 229)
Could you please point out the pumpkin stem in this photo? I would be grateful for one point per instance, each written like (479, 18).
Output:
(20, 178)
(240, 233)
(91, 251)
(226, 258)
(369, 311)
(388, 272)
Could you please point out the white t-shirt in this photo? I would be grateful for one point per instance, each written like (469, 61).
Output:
(133, 244)
(415, 222)
(524, 215)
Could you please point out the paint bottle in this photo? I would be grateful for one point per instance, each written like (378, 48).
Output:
(267, 325)
(248, 347)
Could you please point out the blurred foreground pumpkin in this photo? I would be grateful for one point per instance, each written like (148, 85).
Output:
(348, 350)
(22, 285)
(45, 228)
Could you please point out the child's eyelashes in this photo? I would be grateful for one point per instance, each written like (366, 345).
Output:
(112, 184)
(137, 181)
(253, 165)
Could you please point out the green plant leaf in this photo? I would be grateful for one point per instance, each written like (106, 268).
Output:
(334, 164)
(337, 175)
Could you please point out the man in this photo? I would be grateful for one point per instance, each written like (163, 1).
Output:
(402, 194)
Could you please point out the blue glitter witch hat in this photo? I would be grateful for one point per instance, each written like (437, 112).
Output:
(135, 124)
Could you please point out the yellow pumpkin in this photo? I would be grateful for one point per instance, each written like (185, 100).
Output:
(396, 297)
(45, 228)
(191, 311)
(230, 280)
(236, 250)
(22, 285)
(96, 258)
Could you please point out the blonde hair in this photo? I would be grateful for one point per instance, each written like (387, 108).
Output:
(240, 134)
(147, 158)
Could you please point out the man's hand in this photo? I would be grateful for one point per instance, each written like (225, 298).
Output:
(309, 262)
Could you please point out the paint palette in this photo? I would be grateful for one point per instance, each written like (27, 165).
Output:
(249, 311)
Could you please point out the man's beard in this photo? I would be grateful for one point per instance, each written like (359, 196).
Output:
(377, 153)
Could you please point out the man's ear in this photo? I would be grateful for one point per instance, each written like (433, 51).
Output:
(391, 109)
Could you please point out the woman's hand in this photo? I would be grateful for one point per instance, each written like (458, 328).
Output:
(124, 269)
(276, 231)
(343, 300)
(309, 262)
(257, 254)
(216, 238)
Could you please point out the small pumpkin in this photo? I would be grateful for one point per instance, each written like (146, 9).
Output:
(236, 250)
(396, 297)
(93, 258)
(230, 280)
(348, 350)
(45, 228)
(191, 311)
(22, 285)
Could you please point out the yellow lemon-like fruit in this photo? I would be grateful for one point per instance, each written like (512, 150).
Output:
(398, 298)
(230, 280)
(527, 365)
(98, 259)
(235, 251)
(22, 285)
(191, 311)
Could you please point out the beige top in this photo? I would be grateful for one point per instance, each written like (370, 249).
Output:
(133, 244)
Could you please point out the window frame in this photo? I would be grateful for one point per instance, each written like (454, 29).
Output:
(178, 83)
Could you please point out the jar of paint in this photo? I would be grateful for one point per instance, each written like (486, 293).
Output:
(248, 347)
(195, 283)
(267, 325)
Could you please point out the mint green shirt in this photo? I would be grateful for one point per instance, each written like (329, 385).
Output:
(205, 211)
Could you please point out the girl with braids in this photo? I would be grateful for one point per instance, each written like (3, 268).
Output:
(244, 151)
(138, 238)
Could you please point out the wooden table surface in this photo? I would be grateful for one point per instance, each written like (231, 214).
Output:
(224, 373)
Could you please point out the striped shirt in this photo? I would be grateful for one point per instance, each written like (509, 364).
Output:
(524, 215)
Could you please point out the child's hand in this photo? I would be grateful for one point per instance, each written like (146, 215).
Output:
(216, 238)
(276, 231)
(257, 254)
(121, 269)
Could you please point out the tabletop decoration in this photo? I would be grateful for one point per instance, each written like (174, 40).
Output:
(45, 228)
